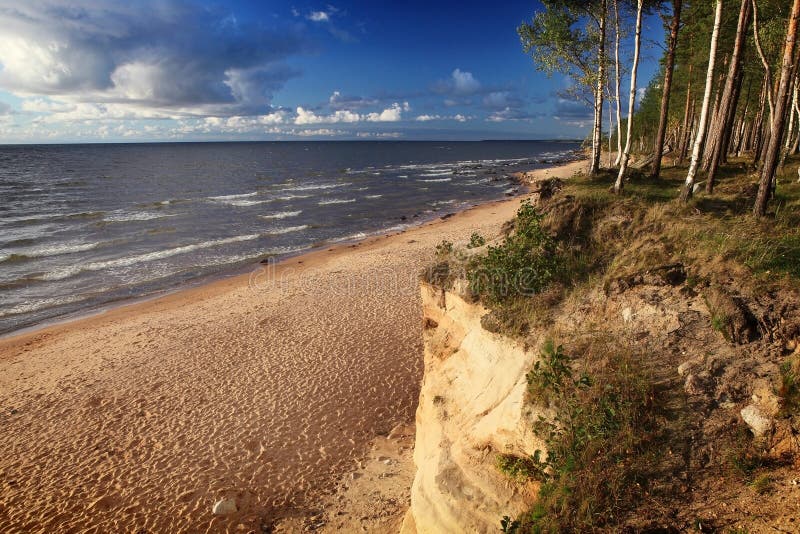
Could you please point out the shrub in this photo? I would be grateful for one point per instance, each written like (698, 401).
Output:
(517, 467)
(524, 264)
(597, 444)
(476, 240)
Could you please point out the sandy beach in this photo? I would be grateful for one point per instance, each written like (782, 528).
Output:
(263, 388)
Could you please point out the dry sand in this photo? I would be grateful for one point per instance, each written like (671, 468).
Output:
(265, 388)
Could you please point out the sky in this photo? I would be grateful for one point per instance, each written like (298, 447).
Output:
(196, 70)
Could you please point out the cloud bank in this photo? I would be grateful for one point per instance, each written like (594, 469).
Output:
(151, 57)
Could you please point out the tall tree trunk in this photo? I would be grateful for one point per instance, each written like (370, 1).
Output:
(686, 120)
(701, 128)
(658, 148)
(794, 147)
(623, 167)
(617, 83)
(764, 62)
(790, 129)
(758, 129)
(727, 109)
(712, 119)
(776, 134)
(730, 127)
(610, 126)
(598, 95)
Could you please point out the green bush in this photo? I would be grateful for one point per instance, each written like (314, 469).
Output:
(476, 240)
(524, 264)
(597, 443)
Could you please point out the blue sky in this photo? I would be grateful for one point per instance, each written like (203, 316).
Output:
(192, 70)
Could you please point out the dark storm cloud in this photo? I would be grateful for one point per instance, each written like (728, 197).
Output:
(165, 54)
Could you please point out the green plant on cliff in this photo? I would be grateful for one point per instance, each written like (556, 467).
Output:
(598, 441)
(525, 263)
(476, 240)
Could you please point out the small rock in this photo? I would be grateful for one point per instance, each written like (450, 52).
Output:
(354, 476)
(694, 385)
(224, 507)
(627, 315)
(758, 422)
(382, 458)
(684, 368)
(387, 461)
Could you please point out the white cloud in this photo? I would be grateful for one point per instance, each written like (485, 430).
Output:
(318, 16)
(459, 117)
(391, 114)
(305, 116)
(149, 54)
(464, 82)
(379, 135)
(318, 132)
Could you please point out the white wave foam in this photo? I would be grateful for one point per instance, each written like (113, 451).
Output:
(312, 187)
(335, 201)
(351, 237)
(244, 203)
(125, 216)
(291, 197)
(67, 272)
(442, 172)
(373, 196)
(282, 214)
(39, 304)
(288, 229)
(436, 180)
(56, 250)
(233, 197)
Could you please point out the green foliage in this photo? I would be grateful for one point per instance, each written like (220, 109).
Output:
(551, 373)
(597, 443)
(519, 468)
(445, 248)
(476, 240)
(524, 264)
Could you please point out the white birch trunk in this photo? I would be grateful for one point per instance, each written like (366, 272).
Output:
(617, 78)
(701, 127)
(623, 167)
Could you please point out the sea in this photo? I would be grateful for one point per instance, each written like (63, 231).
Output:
(85, 226)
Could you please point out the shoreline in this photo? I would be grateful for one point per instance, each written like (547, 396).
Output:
(246, 270)
(264, 388)
(229, 274)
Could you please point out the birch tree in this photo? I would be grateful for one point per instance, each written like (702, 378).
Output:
(569, 37)
(688, 187)
(617, 83)
(623, 167)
